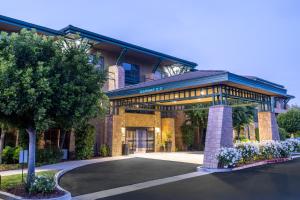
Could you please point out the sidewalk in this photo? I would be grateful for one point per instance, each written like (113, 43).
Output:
(68, 165)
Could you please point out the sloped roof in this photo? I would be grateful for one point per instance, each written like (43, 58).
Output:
(94, 36)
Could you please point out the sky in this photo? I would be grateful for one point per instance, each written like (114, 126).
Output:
(250, 37)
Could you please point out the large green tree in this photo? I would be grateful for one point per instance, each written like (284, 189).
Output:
(242, 116)
(77, 87)
(34, 84)
(290, 121)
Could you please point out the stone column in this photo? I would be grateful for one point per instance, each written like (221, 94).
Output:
(218, 134)
(118, 129)
(267, 125)
(116, 77)
(179, 121)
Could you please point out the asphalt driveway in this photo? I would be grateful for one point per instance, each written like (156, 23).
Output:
(112, 174)
(276, 182)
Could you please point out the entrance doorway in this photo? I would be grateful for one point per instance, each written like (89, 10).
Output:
(140, 140)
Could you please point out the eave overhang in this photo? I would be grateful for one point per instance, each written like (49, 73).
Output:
(222, 78)
(21, 24)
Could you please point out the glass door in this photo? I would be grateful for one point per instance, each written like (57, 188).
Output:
(150, 140)
(131, 139)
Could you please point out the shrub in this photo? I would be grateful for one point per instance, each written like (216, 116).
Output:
(10, 155)
(249, 151)
(284, 149)
(187, 135)
(290, 120)
(104, 150)
(48, 155)
(84, 140)
(294, 143)
(16, 154)
(283, 134)
(228, 157)
(42, 184)
(270, 149)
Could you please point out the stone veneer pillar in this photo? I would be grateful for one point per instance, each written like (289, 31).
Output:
(267, 125)
(116, 78)
(118, 130)
(218, 134)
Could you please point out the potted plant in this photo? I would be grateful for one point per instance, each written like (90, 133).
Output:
(168, 143)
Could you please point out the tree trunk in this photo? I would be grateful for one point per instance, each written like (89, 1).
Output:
(31, 157)
(2, 137)
(238, 133)
(17, 137)
(201, 139)
(62, 138)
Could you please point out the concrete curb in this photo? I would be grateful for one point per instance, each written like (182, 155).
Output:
(260, 163)
(66, 196)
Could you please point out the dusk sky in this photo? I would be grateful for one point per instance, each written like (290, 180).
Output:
(255, 37)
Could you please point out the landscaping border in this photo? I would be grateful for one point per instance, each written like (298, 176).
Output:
(256, 164)
(66, 196)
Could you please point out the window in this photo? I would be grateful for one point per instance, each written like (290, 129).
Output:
(132, 73)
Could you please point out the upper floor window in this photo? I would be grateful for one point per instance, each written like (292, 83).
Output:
(132, 73)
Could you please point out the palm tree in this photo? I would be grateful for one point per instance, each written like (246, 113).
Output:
(197, 119)
(241, 117)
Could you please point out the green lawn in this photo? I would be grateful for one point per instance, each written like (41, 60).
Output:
(14, 180)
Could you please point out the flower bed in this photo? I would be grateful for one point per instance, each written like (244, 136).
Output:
(244, 153)
(43, 187)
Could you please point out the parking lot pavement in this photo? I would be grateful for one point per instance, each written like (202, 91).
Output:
(112, 174)
(270, 182)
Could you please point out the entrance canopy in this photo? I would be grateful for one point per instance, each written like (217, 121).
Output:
(204, 87)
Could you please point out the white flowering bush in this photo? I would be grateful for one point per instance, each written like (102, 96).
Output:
(42, 184)
(245, 152)
(270, 149)
(249, 151)
(228, 157)
(294, 143)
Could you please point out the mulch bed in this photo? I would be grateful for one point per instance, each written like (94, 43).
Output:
(21, 191)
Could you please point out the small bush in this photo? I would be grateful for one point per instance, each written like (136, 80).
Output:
(228, 157)
(42, 184)
(249, 151)
(295, 143)
(10, 155)
(48, 155)
(269, 149)
(104, 150)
